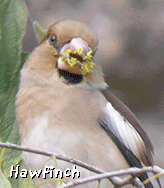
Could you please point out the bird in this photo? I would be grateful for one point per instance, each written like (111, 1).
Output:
(64, 105)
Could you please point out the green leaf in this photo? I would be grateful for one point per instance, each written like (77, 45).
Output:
(22, 182)
(12, 30)
(40, 31)
(4, 182)
(12, 26)
(3, 151)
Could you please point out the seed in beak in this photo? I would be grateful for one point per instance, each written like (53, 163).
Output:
(74, 58)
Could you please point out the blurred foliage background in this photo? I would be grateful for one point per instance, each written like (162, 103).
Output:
(131, 48)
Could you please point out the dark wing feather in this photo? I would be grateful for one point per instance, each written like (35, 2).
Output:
(127, 133)
(129, 156)
(132, 119)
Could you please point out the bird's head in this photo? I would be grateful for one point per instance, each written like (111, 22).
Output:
(69, 47)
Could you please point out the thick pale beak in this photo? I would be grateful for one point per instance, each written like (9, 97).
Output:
(75, 57)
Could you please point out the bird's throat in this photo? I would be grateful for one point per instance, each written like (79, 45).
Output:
(71, 78)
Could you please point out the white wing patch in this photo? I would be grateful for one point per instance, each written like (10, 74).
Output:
(123, 130)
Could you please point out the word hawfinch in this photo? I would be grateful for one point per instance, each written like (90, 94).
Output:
(63, 106)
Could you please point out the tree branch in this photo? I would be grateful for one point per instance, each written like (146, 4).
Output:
(118, 182)
(57, 156)
(132, 171)
(51, 154)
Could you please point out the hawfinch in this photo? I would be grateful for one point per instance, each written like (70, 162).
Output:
(64, 106)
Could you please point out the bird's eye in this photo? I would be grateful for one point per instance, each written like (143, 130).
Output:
(52, 39)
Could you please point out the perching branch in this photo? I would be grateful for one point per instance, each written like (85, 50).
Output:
(51, 154)
(116, 181)
(130, 171)
(57, 156)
